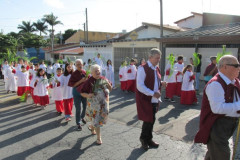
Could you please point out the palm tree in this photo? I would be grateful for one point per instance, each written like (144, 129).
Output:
(52, 21)
(40, 26)
(26, 27)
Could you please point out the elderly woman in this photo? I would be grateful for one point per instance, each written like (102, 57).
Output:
(96, 90)
(77, 78)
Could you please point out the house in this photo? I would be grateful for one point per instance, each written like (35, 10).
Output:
(92, 36)
(135, 44)
(217, 30)
(191, 22)
(71, 51)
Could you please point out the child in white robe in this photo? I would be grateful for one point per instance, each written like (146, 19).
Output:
(131, 76)
(170, 78)
(179, 75)
(67, 92)
(56, 93)
(123, 76)
(11, 84)
(22, 80)
(41, 88)
(188, 95)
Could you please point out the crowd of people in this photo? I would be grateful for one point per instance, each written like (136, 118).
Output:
(84, 85)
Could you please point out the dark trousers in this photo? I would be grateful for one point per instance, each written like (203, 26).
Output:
(222, 131)
(147, 127)
(78, 99)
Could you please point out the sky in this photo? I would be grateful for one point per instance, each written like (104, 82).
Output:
(107, 15)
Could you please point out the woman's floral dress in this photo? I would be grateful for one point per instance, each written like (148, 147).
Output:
(98, 106)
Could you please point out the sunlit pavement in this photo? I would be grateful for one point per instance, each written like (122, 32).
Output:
(27, 132)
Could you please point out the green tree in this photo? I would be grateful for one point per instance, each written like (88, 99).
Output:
(8, 43)
(67, 34)
(40, 26)
(26, 27)
(52, 21)
(32, 40)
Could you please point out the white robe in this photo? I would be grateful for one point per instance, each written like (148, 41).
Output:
(57, 94)
(11, 84)
(179, 67)
(110, 74)
(186, 85)
(22, 78)
(170, 78)
(133, 74)
(123, 73)
(34, 75)
(66, 90)
(41, 89)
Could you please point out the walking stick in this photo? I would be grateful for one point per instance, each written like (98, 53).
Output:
(236, 140)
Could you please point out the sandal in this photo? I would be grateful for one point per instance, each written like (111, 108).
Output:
(99, 141)
(91, 128)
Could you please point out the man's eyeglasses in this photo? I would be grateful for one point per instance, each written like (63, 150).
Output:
(234, 65)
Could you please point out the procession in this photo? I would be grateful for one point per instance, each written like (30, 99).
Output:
(123, 80)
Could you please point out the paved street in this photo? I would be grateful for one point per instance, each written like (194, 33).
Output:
(27, 132)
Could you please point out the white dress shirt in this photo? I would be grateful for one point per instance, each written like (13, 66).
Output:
(216, 98)
(141, 76)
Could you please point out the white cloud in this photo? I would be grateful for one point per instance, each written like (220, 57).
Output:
(54, 3)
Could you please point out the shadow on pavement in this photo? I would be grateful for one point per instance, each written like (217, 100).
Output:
(26, 153)
(191, 129)
(136, 153)
(73, 153)
(32, 132)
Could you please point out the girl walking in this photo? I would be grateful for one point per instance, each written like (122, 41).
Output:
(188, 94)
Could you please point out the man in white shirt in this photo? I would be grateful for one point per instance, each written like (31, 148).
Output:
(148, 96)
(220, 109)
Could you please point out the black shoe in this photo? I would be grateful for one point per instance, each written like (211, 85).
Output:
(144, 144)
(166, 98)
(79, 128)
(59, 113)
(172, 100)
(84, 121)
(153, 144)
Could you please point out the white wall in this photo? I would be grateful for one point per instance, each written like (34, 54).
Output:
(91, 52)
(193, 22)
(185, 52)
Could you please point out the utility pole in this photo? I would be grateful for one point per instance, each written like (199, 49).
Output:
(161, 36)
(86, 26)
(84, 33)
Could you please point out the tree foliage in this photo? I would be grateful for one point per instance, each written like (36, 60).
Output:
(41, 27)
(26, 27)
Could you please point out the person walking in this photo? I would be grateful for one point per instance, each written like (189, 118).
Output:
(220, 110)
(77, 78)
(148, 96)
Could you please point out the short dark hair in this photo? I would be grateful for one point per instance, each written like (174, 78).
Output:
(59, 69)
(179, 58)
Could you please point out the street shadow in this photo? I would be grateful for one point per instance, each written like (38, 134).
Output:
(43, 118)
(26, 153)
(23, 120)
(20, 114)
(191, 129)
(122, 105)
(176, 111)
(75, 152)
(32, 132)
(136, 153)
(135, 119)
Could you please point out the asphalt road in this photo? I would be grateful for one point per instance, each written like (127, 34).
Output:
(27, 132)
